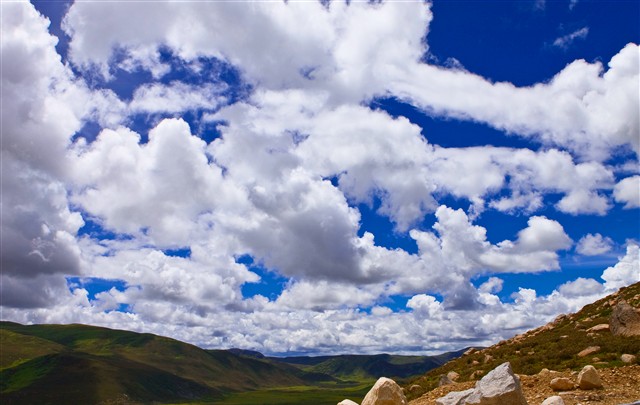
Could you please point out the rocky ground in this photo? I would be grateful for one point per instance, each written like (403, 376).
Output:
(621, 386)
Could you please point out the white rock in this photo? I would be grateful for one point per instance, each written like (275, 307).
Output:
(599, 328)
(628, 358)
(589, 378)
(500, 386)
(554, 400)
(385, 392)
(453, 376)
(562, 384)
(455, 398)
(347, 402)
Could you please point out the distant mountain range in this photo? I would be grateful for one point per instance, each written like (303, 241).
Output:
(64, 364)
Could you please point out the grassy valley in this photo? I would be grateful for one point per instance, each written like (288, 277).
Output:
(62, 364)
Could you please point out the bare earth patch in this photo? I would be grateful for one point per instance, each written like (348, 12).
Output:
(621, 386)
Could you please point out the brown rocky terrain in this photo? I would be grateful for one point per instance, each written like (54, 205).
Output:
(621, 385)
(588, 337)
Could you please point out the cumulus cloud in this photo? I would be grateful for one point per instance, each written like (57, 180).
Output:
(625, 272)
(627, 191)
(284, 177)
(594, 245)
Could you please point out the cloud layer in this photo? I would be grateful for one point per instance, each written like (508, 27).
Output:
(282, 174)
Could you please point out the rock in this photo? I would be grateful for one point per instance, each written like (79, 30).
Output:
(562, 384)
(624, 321)
(415, 388)
(476, 374)
(347, 402)
(554, 400)
(475, 363)
(469, 351)
(499, 386)
(444, 380)
(589, 378)
(589, 350)
(453, 376)
(455, 398)
(385, 392)
(599, 328)
(628, 358)
(487, 358)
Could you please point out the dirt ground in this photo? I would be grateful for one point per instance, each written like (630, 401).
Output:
(621, 386)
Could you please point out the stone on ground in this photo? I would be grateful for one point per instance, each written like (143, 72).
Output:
(628, 358)
(562, 384)
(347, 402)
(625, 320)
(554, 400)
(589, 350)
(589, 378)
(453, 376)
(500, 386)
(455, 398)
(599, 328)
(385, 392)
(444, 380)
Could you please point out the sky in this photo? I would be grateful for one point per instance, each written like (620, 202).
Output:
(318, 177)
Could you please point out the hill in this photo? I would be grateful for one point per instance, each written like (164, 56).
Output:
(555, 346)
(96, 364)
(369, 367)
(62, 364)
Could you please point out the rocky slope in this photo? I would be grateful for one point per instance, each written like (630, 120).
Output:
(565, 345)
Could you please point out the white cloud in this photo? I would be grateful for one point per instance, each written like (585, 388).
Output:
(565, 41)
(166, 186)
(492, 285)
(176, 97)
(594, 245)
(581, 287)
(573, 111)
(627, 191)
(625, 272)
(282, 180)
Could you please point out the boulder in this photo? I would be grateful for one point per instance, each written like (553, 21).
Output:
(347, 402)
(624, 321)
(487, 358)
(385, 392)
(589, 350)
(453, 376)
(455, 398)
(499, 386)
(589, 378)
(554, 400)
(562, 384)
(599, 328)
(628, 358)
(415, 388)
(469, 351)
(444, 380)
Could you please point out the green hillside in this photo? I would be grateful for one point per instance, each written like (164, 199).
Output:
(63, 364)
(554, 346)
(100, 364)
(368, 367)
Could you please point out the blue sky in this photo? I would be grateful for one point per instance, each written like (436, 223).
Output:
(299, 177)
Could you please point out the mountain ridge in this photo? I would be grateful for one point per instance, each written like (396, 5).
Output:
(104, 364)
